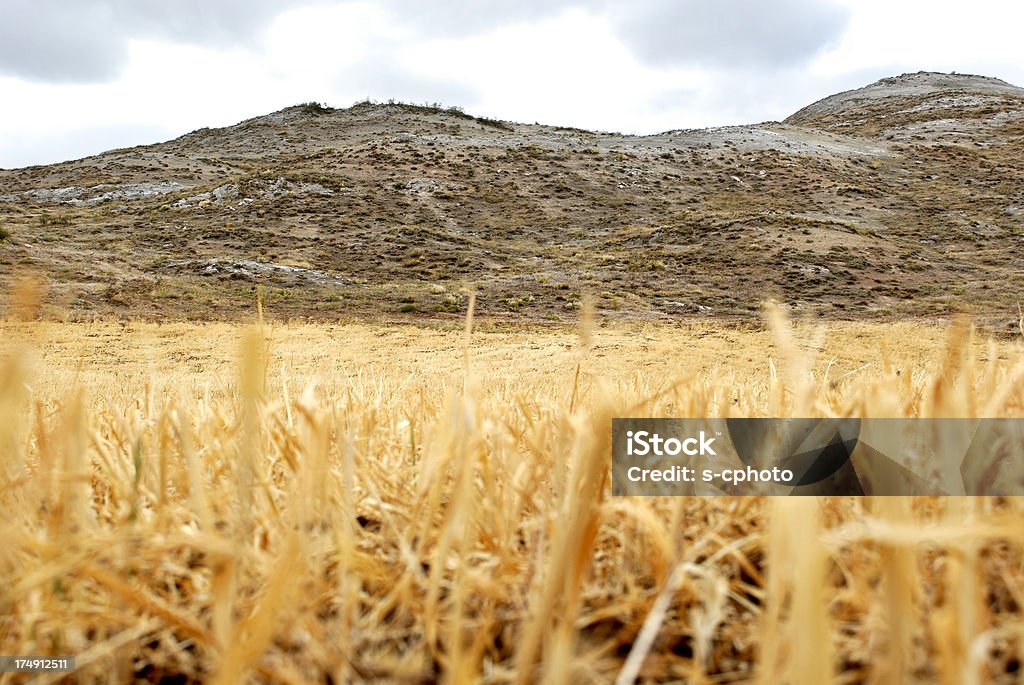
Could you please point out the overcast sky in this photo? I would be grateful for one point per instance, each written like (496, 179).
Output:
(82, 76)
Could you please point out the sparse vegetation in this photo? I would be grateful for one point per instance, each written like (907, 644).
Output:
(370, 217)
(516, 303)
(494, 123)
(315, 108)
(439, 108)
(450, 303)
(46, 219)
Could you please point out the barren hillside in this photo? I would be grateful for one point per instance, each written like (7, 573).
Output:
(901, 199)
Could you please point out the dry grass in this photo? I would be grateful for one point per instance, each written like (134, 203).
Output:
(332, 504)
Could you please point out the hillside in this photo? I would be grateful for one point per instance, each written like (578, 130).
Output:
(901, 199)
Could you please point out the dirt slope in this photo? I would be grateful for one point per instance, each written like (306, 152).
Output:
(901, 199)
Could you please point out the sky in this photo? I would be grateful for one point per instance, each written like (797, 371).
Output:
(78, 77)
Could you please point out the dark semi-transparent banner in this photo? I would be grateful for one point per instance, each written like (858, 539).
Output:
(818, 457)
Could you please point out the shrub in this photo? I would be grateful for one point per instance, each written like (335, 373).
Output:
(450, 303)
(517, 303)
(493, 123)
(315, 108)
(59, 220)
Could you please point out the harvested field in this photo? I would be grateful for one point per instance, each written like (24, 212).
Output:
(312, 503)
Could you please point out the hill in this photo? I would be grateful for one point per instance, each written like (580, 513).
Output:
(901, 199)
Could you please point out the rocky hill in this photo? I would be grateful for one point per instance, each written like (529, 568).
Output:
(901, 199)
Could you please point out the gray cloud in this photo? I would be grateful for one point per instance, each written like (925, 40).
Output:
(87, 40)
(43, 43)
(737, 33)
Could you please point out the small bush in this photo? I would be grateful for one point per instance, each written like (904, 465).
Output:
(517, 303)
(5, 235)
(493, 123)
(59, 220)
(315, 108)
(450, 303)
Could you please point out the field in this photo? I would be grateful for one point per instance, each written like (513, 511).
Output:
(313, 503)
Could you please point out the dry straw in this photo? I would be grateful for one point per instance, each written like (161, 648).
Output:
(364, 503)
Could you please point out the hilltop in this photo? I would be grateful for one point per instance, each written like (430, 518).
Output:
(898, 200)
